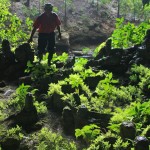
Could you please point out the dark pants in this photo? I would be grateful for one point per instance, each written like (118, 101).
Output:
(46, 43)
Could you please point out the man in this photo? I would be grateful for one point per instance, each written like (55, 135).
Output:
(46, 24)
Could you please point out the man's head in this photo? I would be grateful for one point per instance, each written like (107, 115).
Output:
(48, 7)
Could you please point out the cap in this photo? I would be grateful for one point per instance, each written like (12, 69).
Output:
(48, 6)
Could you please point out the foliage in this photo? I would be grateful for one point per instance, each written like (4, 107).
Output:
(120, 145)
(15, 132)
(146, 12)
(79, 64)
(97, 49)
(19, 100)
(74, 80)
(127, 34)
(99, 144)
(104, 91)
(90, 73)
(52, 141)
(30, 12)
(54, 88)
(147, 129)
(136, 112)
(62, 58)
(134, 8)
(88, 132)
(140, 75)
(12, 27)
(40, 107)
(3, 107)
(126, 95)
(40, 71)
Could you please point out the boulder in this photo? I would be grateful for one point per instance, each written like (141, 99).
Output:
(141, 143)
(127, 130)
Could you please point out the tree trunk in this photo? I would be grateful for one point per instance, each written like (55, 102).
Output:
(118, 13)
(27, 3)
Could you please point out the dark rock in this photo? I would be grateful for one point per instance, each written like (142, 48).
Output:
(81, 117)
(58, 104)
(10, 143)
(67, 89)
(56, 77)
(24, 53)
(43, 84)
(68, 120)
(27, 117)
(98, 118)
(2, 84)
(127, 130)
(59, 64)
(92, 63)
(70, 62)
(141, 143)
(77, 99)
(92, 82)
(26, 80)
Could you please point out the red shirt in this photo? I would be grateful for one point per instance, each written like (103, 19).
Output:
(47, 23)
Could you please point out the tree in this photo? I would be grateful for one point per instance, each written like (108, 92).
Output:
(27, 3)
(66, 4)
(145, 2)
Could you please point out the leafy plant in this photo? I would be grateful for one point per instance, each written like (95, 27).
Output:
(97, 50)
(104, 92)
(79, 64)
(136, 112)
(40, 107)
(74, 80)
(88, 132)
(52, 141)
(127, 34)
(146, 12)
(146, 132)
(41, 70)
(120, 145)
(61, 58)
(99, 144)
(54, 88)
(15, 132)
(140, 75)
(3, 107)
(19, 99)
(12, 28)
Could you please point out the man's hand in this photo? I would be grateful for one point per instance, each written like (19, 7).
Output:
(59, 36)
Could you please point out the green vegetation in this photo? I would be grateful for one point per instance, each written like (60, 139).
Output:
(12, 27)
(127, 34)
(88, 132)
(47, 140)
(99, 91)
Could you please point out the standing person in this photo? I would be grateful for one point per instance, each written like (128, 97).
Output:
(46, 24)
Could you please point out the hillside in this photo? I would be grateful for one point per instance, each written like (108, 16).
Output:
(86, 26)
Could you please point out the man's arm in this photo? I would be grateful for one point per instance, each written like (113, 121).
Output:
(59, 31)
(32, 33)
